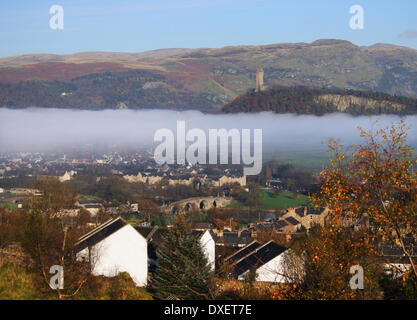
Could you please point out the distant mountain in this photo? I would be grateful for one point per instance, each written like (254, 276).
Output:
(307, 100)
(204, 79)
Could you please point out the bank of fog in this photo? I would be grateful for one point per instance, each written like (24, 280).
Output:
(39, 129)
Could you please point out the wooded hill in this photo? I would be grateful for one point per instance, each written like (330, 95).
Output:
(319, 101)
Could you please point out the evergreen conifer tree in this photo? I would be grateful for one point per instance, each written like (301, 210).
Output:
(183, 270)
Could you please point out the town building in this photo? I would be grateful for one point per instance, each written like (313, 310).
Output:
(266, 260)
(115, 247)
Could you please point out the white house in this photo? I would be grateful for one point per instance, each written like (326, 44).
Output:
(92, 206)
(65, 177)
(396, 270)
(267, 260)
(2, 190)
(115, 247)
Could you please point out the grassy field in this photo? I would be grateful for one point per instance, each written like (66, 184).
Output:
(16, 284)
(269, 201)
(8, 204)
(284, 200)
(309, 159)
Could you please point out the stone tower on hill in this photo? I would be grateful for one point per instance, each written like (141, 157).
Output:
(259, 80)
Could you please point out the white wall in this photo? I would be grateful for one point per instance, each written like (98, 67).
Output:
(123, 251)
(209, 248)
(93, 211)
(396, 270)
(271, 271)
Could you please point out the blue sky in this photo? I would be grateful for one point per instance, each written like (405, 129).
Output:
(134, 26)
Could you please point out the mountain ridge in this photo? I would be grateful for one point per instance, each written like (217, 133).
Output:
(203, 79)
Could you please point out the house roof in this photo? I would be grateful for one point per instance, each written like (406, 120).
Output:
(231, 238)
(292, 220)
(394, 259)
(313, 210)
(90, 201)
(389, 249)
(155, 236)
(300, 211)
(152, 234)
(279, 224)
(144, 231)
(258, 257)
(246, 233)
(242, 252)
(203, 225)
(264, 227)
(92, 206)
(99, 233)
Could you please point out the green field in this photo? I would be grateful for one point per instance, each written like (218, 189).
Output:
(284, 200)
(308, 159)
(270, 201)
(8, 204)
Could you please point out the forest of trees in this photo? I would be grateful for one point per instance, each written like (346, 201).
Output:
(303, 100)
(100, 91)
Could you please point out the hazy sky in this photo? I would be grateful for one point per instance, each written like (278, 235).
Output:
(134, 26)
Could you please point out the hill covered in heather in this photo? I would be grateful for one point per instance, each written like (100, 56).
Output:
(203, 79)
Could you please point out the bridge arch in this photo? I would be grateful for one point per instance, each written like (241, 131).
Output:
(187, 206)
(204, 204)
(201, 203)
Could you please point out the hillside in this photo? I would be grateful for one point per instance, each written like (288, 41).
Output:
(318, 101)
(204, 79)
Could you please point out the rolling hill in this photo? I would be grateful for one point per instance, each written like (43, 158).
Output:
(203, 79)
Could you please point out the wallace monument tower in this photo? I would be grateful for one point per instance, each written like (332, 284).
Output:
(259, 80)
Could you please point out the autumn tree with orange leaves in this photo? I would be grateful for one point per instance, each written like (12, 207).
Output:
(327, 254)
(375, 185)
